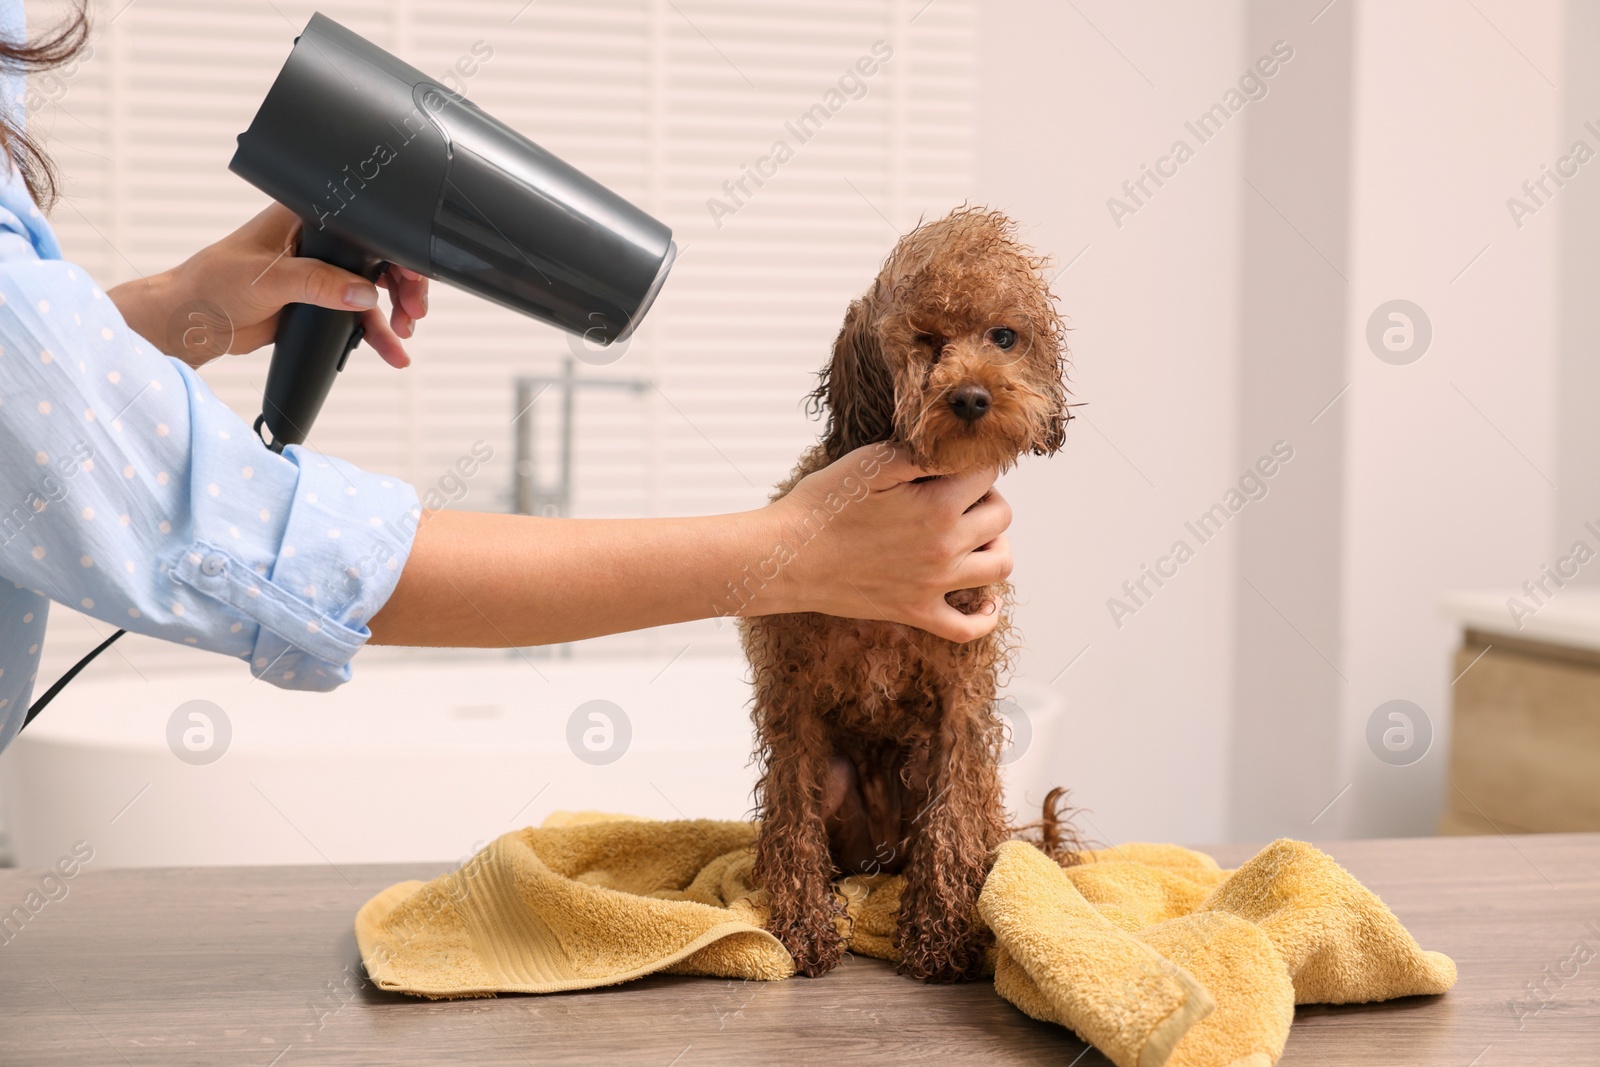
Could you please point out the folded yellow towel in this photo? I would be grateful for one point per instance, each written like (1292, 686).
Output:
(1151, 952)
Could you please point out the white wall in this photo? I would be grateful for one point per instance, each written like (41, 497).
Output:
(1452, 458)
(1578, 382)
(1064, 120)
(1236, 703)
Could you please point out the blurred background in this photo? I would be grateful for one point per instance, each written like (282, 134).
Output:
(1330, 270)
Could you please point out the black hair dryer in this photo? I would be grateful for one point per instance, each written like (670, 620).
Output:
(385, 165)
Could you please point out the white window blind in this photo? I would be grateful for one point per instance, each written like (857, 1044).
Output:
(664, 101)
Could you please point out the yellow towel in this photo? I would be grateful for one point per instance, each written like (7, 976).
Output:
(1151, 952)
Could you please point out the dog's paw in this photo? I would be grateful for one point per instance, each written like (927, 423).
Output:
(931, 958)
(816, 950)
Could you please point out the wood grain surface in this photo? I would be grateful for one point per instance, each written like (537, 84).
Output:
(258, 966)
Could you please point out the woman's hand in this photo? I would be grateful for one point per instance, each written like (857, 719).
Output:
(873, 537)
(226, 297)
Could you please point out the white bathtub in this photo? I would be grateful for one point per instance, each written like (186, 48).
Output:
(417, 761)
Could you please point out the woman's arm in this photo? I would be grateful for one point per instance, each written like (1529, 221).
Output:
(860, 539)
(891, 549)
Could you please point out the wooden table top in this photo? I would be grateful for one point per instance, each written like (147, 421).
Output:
(258, 966)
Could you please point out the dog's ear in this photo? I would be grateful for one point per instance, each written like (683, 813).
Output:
(1051, 331)
(856, 388)
(1054, 433)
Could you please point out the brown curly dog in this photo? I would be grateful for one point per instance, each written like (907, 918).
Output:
(879, 744)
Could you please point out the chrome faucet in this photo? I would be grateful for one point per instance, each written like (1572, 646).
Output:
(528, 495)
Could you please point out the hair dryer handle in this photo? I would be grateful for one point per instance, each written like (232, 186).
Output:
(311, 345)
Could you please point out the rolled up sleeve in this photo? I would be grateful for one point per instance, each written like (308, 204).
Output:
(138, 497)
(346, 537)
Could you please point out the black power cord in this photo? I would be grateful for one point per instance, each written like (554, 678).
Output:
(61, 683)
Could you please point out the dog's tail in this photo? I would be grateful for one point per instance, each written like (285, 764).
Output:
(1054, 834)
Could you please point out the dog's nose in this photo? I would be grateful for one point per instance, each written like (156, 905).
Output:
(970, 402)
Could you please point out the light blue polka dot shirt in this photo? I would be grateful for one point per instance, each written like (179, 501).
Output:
(131, 493)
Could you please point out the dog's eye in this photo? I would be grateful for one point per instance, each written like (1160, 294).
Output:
(935, 345)
(1002, 337)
